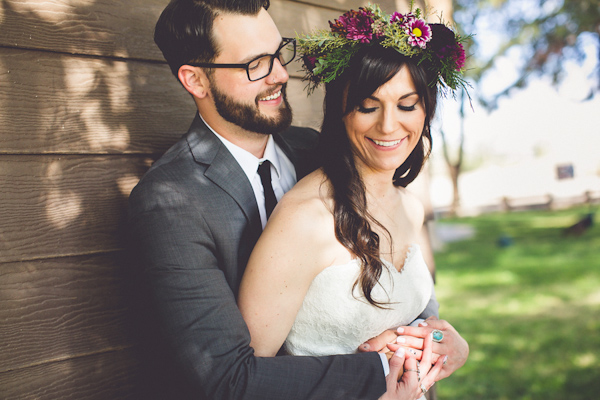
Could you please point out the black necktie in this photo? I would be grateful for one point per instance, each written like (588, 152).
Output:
(264, 171)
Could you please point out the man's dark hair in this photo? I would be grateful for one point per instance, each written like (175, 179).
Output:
(184, 29)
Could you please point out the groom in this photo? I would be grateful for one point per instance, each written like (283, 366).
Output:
(197, 213)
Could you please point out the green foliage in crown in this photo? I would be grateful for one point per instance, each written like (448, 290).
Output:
(326, 54)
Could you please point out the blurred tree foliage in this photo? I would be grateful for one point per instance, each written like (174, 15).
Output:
(546, 32)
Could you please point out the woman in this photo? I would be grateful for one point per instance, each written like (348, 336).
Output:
(339, 260)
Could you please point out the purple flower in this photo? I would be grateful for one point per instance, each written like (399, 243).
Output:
(445, 45)
(459, 56)
(402, 19)
(355, 25)
(310, 62)
(419, 33)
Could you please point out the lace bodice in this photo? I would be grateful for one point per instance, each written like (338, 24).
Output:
(333, 321)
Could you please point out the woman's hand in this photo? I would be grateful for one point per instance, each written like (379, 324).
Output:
(451, 344)
(418, 377)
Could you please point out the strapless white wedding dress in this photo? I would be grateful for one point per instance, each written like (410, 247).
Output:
(333, 320)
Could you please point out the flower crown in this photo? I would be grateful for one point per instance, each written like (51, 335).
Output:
(326, 54)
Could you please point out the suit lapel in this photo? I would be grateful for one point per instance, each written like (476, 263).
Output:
(222, 169)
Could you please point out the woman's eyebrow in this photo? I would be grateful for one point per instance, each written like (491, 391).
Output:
(401, 98)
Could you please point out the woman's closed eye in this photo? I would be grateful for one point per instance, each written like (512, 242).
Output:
(407, 108)
(366, 110)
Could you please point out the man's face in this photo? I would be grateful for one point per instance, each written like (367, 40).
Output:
(260, 106)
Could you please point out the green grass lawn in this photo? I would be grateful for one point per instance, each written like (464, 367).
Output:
(530, 311)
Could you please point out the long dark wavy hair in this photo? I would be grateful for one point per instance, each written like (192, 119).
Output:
(369, 69)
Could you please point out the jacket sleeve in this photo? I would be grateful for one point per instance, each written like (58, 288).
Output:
(432, 307)
(197, 310)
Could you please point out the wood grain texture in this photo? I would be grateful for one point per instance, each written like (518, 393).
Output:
(53, 206)
(107, 376)
(345, 5)
(110, 28)
(124, 29)
(56, 103)
(63, 308)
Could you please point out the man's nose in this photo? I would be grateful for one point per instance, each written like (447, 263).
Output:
(278, 74)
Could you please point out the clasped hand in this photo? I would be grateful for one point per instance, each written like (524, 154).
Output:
(410, 337)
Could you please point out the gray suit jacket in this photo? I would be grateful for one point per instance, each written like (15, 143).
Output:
(194, 221)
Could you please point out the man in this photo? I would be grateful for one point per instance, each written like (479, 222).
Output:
(197, 213)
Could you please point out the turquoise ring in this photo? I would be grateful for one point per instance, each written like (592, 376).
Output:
(437, 335)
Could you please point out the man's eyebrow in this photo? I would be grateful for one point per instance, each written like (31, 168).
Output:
(254, 57)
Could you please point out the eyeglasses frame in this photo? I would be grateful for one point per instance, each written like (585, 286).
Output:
(284, 42)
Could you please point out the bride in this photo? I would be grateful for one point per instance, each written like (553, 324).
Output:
(339, 260)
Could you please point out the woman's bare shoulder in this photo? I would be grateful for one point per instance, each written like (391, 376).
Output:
(302, 220)
(310, 196)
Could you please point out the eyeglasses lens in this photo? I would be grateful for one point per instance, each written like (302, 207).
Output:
(261, 67)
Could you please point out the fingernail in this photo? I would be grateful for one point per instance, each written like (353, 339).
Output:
(365, 346)
(399, 352)
(445, 360)
(400, 340)
(400, 330)
(423, 323)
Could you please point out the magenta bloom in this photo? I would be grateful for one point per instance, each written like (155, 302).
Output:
(459, 56)
(402, 19)
(355, 25)
(419, 33)
(310, 62)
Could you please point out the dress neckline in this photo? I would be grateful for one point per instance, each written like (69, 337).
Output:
(410, 253)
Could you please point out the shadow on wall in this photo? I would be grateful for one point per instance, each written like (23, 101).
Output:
(80, 123)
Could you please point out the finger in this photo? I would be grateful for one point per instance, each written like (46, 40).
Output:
(411, 369)
(410, 341)
(414, 331)
(427, 345)
(434, 373)
(433, 317)
(396, 367)
(438, 324)
(379, 342)
(393, 346)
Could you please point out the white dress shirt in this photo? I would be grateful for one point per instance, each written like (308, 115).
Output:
(283, 173)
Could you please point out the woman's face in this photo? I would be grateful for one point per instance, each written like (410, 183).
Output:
(387, 126)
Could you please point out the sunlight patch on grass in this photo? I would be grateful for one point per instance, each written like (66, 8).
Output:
(558, 221)
(585, 360)
(593, 299)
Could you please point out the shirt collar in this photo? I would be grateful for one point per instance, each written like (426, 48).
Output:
(248, 161)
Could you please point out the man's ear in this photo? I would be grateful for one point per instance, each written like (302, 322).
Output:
(194, 80)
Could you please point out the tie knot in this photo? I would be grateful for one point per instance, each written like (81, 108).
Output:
(264, 170)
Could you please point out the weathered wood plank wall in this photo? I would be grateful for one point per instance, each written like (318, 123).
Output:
(86, 105)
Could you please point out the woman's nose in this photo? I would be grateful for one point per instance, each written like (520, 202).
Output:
(389, 122)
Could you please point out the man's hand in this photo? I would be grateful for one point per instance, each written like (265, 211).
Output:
(417, 378)
(380, 342)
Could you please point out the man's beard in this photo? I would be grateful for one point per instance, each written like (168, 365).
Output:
(248, 116)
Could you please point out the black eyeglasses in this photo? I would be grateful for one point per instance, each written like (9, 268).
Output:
(262, 66)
